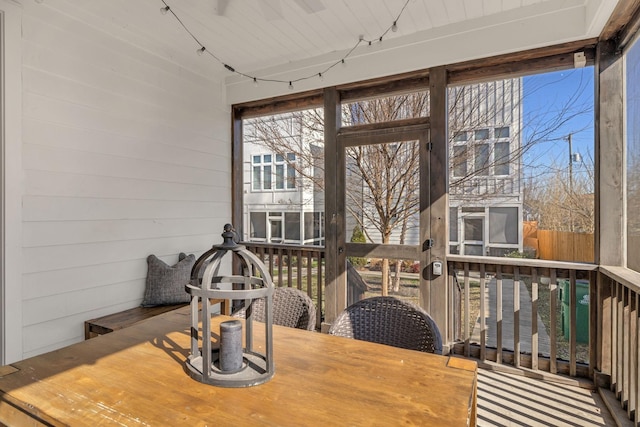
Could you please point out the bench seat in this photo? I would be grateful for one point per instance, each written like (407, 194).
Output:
(113, 322)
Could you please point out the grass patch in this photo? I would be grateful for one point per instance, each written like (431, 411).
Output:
(409, 286)
(474, 305)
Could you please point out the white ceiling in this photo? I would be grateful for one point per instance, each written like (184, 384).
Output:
(292, 39)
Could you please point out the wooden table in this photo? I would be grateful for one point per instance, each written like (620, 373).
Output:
(136, 376)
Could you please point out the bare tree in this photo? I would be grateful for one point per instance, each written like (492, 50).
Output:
(475, 108)
(382, 188)
(557, 205)
(383, 193)
(383, 179)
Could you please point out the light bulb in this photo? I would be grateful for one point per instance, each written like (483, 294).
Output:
(290, 86)
(344, 64)
(201, 51)
(255, 82)
(394, 27)
(321, 77)
(163, 10)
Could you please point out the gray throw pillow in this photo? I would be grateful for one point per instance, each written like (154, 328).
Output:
(165, 283)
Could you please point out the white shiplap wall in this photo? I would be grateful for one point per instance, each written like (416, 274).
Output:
(125, 153)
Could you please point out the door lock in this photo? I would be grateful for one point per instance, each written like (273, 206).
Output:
(437, 268)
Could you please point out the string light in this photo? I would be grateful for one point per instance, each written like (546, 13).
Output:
(202, 50)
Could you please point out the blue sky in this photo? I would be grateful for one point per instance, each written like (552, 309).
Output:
(633, 101)
(568, 95)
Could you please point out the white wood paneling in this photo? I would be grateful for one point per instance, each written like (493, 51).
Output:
(94, 209)
(125, 152)
(11, 335)
(62, 160)
(72, 256)
(69, 280)
(63, 184)
(447, 32)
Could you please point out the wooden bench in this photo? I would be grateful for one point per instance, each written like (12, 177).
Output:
(113, 322)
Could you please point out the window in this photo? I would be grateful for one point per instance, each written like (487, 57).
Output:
(263, 167)
(482, 159)
(279, 172)
(261, 172)
(481, 134)
(291, 171)
(453, 224)
(460, 153)
(501, 160)
(503, 225)
(292, 226)
(386, 108)
(258, 225)
(313, 228)
(474, 209)
(502, 132)
(460, 137)
(473, 229)
(275, 227)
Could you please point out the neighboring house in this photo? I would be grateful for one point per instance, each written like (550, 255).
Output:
(486, 194)
(485, 185)
(280, 205)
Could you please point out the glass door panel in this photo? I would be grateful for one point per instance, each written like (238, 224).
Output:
(382, 207)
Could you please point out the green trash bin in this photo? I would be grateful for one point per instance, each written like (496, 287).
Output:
(582, 310)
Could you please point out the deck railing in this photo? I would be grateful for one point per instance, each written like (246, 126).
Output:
(511, 328)
(296, 266)
(528, 314)
(619, 336)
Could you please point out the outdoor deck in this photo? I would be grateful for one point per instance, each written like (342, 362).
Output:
(507, 399)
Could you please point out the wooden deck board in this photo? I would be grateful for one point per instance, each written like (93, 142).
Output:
(506, 399)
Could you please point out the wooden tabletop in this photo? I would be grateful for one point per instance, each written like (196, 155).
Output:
(136, 376)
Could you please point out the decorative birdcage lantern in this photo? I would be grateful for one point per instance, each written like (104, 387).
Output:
(219, 357)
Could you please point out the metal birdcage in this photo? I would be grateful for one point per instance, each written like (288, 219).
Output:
(219, 357)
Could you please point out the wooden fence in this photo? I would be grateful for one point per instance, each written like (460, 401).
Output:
(559, 245)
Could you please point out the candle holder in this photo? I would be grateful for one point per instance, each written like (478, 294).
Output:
(226, 362)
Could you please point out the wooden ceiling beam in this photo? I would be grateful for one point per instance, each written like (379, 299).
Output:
(620, 19)
(280, 104)
(545, 59)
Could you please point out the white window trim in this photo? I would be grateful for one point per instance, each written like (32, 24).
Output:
(274, 163)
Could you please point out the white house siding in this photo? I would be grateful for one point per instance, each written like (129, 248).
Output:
(488, 106)
(125, 153)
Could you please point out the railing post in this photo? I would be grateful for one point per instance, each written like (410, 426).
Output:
(595, 323)
(553, 301)
(434, 207)
(534, 319)
(334, 171)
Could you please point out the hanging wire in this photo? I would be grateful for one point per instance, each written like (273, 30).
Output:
(203, 50)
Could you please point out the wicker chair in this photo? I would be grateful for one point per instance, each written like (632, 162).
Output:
(291, 307)
(391, 321)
